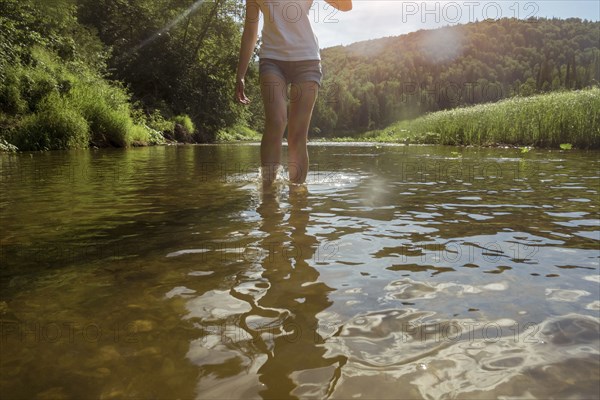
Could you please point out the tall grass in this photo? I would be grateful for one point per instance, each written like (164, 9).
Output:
(54, 126)
(186, 122)
(546, 120)
(110, 124)
(58, 106)
(238, 133)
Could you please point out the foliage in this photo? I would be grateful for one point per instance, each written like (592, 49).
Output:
(157, 122)
(129, 68)
(138, 135)
(186, 122)
(53, 79)
(371, 84)
(238, 133)
(51, 24)
(547, 120)
(187, 67)
(7, 147)
(53, 126)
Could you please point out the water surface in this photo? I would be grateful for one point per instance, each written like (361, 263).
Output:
(396, 272)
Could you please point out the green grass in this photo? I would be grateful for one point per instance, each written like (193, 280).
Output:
(546, 120)
(110, 124)
(186, 122)
(49, 105)
(238, 133)
(54, 126)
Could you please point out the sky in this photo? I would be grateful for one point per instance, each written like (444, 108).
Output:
(371, 19)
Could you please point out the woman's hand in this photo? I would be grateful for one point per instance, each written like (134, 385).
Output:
(249, 38)
(240, 96)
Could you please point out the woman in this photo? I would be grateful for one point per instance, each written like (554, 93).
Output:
(289, 54)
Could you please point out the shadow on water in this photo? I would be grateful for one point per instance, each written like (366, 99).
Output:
(295, 290)
(268, 318)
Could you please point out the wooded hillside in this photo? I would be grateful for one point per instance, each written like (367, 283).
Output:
(371, 84)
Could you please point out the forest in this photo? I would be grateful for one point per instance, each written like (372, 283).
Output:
(75, 73)
(371, 84)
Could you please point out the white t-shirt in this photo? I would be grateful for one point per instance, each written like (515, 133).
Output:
(287, 33)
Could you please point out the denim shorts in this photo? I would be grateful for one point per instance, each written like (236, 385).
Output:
(293, 71)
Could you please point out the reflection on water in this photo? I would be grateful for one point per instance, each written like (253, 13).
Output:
(396, 272)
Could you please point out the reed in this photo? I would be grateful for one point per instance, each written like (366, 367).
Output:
(546, 120)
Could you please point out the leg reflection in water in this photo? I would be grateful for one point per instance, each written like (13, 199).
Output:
(287, 324)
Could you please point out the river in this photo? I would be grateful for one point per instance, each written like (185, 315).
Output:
(404, 272)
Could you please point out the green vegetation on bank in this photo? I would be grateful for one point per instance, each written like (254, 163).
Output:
(52, 92)
(238, 133)
(70, 77)
(548, 120)
(179, 57)
(372, 84)
(78, 73)
(56, 105)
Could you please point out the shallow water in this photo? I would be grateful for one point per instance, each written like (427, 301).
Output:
(397, 272)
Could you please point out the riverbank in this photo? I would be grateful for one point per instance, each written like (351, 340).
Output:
(547, 120)
(550, 120)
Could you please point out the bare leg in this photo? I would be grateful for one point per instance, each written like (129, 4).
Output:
(274, 95)
(302, 100)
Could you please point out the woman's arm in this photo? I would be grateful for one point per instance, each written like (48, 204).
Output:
(342, 5)
(249, 38)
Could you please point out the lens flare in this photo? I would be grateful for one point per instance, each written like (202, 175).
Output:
(175, 21)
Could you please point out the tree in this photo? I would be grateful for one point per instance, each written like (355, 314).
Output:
(175, 55)
(523, 58)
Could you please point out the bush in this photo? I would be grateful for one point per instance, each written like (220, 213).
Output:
(155, 137)
(186, 122)
(7, 147)
(157, 122)
(11, 100)
(54, 126)
(53, 90)
(109, 127)
(139, 135)
(103, 107)
(238, 133)
(35, 85)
